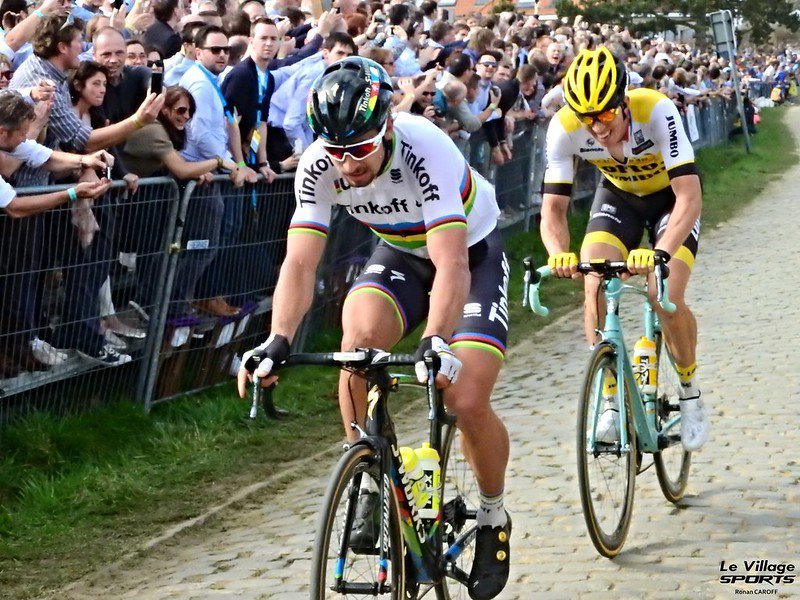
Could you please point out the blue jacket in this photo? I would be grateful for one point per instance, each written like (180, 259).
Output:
(240, 88)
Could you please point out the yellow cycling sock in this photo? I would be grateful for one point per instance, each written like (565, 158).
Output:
(609, 385)
(686, 373)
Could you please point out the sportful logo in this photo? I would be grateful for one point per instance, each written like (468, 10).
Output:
(473, 309)
(396, 175)
(341, 185)
(428, 190)
(673, 136)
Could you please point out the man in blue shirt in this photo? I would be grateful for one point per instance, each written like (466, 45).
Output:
(212, 133)
(290, 114)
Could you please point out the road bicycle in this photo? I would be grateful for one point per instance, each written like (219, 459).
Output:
(412, 556)
(649, 423)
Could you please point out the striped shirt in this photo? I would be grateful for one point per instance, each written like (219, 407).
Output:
(63, 126)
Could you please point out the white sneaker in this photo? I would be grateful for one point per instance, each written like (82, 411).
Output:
(114, 341)
(107, 357)
(695, 426)
(46, 354)
(608, 426)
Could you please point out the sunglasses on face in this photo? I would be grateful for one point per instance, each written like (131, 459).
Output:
(182, 110)
(606, 117)
(428, 93)
(358, 151)
(218, 49)
(489, 64)
(6, 74)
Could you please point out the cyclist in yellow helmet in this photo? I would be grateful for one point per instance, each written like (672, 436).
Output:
(650, 183)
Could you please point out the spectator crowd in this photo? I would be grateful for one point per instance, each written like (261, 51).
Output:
(132, 89)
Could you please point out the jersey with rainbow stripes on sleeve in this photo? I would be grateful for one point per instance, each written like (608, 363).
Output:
(425, 186)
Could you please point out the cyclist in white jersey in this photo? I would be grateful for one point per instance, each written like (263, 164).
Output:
(440, 259)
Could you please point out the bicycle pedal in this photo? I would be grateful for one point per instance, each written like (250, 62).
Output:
(455, 513)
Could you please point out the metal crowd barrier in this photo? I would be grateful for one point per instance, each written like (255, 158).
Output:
(68, 276)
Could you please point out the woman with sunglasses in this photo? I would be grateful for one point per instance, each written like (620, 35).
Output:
(650, 182)
(154, 149)
(6, 72)
(441, 259)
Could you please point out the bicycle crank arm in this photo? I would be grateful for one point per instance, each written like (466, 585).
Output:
(668, 439)
(457, 547)
(453, 572)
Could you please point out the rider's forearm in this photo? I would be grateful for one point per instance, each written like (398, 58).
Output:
(554, 229)
(448, 296)
(293, 296)
(688, 205)
(679, 227)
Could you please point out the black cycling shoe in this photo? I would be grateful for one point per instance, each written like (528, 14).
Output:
(366, 523)
(489, 572)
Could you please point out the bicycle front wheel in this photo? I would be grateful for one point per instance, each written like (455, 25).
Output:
(338, 571)
(606, 471)
(460, 501)
(672, 462)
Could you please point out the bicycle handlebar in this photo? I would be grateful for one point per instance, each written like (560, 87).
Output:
(360, 358)
(607, 268)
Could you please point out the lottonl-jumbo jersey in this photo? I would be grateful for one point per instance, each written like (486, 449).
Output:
(656, 149)
(426, 186)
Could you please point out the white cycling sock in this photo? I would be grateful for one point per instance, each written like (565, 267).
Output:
(689, 390)
(491, 511)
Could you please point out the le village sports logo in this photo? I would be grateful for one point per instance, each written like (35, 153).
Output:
(757, 572)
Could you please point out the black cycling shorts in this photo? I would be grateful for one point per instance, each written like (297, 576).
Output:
(620, 219)
(405, 280)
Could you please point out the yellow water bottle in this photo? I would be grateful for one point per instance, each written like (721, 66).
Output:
(415, 474)
(644, 365)
(429, 463)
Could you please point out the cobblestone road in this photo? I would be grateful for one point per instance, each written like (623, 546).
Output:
(743, 501)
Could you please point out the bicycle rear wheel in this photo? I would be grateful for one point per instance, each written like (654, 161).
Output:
(606, 472)
(460, 501)
(672, 463)
(354, 575)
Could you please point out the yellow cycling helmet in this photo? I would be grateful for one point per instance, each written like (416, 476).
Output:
(595, 81)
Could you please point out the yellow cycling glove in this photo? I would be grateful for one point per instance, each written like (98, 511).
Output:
(642, 258)
(563, 260)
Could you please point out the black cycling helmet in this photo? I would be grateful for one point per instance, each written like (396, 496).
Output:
(351, 97)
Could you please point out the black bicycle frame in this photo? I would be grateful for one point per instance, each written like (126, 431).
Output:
(423, 538)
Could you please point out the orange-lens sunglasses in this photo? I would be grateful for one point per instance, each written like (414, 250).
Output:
(606, 117)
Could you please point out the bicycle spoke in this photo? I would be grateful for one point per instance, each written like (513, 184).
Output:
(606, 471)
(672, 462)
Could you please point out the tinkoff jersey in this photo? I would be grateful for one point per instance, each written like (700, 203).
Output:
(656, 149)
(425, 186)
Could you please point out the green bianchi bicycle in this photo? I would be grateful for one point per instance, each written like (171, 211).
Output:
(647, 422)
(410, 556)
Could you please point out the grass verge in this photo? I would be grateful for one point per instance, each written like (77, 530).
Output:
(78, 492)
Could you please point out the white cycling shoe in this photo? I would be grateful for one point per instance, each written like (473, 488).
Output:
(607, 430)
(695, 426)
